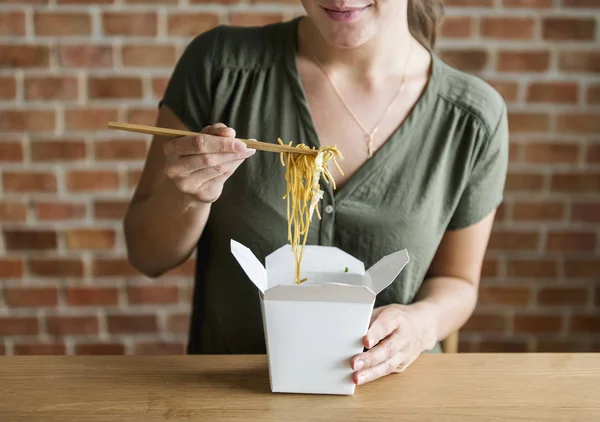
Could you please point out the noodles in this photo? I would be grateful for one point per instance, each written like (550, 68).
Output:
(303, 193)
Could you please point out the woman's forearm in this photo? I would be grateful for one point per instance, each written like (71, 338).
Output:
(162, 229)
(442, 306)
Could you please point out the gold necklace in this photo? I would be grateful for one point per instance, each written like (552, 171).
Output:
(370, 134)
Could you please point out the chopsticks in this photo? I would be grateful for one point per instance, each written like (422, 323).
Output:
(161, 131)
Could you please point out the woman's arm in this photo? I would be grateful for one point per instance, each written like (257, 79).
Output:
(179, 182)
(445, 302)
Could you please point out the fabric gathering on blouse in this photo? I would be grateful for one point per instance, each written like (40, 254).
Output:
(442, 169)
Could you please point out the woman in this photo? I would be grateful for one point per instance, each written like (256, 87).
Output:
(425, 151)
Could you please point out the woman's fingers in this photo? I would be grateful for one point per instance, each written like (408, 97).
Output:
(384, 324)
(183, 166)
(202, 144)
(219, 129)
(385, 350)
(205, 183)
(382, 369)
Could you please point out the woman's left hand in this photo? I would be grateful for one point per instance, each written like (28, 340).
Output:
(395, 339)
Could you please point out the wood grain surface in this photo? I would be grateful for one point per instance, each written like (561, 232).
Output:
(454, 387)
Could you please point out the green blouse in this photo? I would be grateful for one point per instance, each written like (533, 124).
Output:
(444, 168)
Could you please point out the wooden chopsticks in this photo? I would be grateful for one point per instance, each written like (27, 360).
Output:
(161, 131)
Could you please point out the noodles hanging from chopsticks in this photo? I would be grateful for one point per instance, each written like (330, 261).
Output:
(303, 193)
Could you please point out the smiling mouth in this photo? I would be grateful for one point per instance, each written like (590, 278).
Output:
(344, 14)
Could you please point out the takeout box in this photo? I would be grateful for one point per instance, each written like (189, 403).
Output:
(313, 329)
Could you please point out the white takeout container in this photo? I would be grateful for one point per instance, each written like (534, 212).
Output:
(313, 329)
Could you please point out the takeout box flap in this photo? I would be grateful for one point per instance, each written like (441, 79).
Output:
(250, 264)
(323, 259)
(385, 271)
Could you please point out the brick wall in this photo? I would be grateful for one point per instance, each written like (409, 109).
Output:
(67, 67)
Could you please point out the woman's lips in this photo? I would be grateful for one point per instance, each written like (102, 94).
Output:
(344, 15)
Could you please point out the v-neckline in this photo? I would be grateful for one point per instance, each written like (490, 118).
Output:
(386, 149)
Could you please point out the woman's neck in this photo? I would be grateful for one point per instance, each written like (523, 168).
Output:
(380, 58)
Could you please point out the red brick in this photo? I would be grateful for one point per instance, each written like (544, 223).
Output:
(134, 23)
(29, 239)
(113, 267)
(171, 348)
(513, 240)
(31, 297)
(507, 27)
(469, 60)
(457, 27)
(18, 326)
(85, 56)
(590, 4)
(51, 88)
(115, 87)
(27, 120)
(11, 268)
(56, 211)
(562, 296)
(100, 349)
(69, 325)
(480, 322)
(153, 294)
(521, 122)
(523, 61)
(29, 181)
(159, 85)
(90, 118)
(12, 23)
(8, 88)
(40, 349)
(588, 212)
(56, 267)
(516, 182)
(534, 4)
(90, 239)
(92, 296)
(489, 267)
(508, 89)
(178, 323)
(11, 151)
(110, 210)
(577, 29)
(124, 149)
(571, 241)
(592, 94)
(13, 211)
(184, 269)
(142, 116)
(593, 154)
(561, 346)
(533, 268)
(504, 295)
(553, 92)
(537, 323)
(123, 324)
(576, 182)
(62, 24)
(92, 180)
(538, 211)
(133, 178)
(92, 2)
(191, 24)
(152, 56)
(585, 323)
(58, 150)
(151, 1)
(578, 123)
(552, 153)
(582, 268)
(503, 346)
(14, 55)
(254, 19)
(579, 61)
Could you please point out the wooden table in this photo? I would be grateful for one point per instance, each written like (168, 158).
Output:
(457, 387)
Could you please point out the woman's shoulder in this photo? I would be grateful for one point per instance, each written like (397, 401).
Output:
(243, 47)
(471, 95)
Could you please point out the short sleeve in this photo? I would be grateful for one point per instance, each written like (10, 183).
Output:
(188, 92)
(485, 188)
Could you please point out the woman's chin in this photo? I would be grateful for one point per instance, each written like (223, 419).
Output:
(347, 38)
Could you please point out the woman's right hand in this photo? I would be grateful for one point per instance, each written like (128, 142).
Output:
(200, 165)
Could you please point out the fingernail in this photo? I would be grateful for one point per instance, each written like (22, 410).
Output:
(239, 146)
(361, 379)
(358, 365)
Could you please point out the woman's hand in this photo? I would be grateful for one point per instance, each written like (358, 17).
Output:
(200, 165)
(396, 337)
